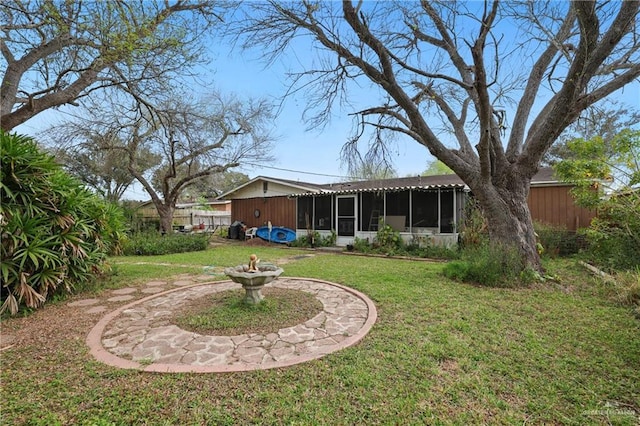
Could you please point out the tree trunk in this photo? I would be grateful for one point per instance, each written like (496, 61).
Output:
(509, 222)
(166, 218)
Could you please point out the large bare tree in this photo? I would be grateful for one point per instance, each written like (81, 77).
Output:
(59, 52)
(193, 140)
(486, 87)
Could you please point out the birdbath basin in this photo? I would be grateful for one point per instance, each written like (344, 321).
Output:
(253, 280)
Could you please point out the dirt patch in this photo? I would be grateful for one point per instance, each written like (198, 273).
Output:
(259, 242)
(49, 327)
(6, 341)
(449, 365)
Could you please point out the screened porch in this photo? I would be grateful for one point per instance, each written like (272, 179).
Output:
(414, 212)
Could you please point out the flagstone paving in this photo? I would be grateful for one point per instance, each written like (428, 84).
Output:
(140, 335)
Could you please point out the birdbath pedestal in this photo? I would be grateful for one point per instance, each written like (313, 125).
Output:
(253, 280)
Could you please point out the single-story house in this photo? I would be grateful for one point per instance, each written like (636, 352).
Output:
(422, 206)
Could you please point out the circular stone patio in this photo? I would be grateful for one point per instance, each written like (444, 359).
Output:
(139, 335)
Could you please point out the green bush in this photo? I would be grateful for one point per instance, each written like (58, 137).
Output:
(557, 240)
(302, 242)
(329, 240)
(316, 240)
(55, 233)
(457, 270)
(362, 245)
(491, 265)
(614, 236)
(418, 247)
(150, 244)
(388, 240)
(473, 228)
(424, 247)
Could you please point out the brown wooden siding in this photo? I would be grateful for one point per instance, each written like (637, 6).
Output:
(550, 205)
(281, 211)
(555, 205)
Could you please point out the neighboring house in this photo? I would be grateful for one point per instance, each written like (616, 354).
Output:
(422, 206)
(550, 201)
(210, 214)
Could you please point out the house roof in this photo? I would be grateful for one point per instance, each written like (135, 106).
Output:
(295, 185)
(188, 205)
(544, 177)
(394, 184)
(204, 203)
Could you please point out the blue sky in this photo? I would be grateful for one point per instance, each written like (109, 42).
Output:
(311, 153)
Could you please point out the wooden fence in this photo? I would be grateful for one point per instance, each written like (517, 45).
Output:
(185, 220)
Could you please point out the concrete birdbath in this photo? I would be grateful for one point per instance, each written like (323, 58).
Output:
(253, 277)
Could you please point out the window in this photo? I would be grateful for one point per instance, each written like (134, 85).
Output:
(315, 213)
(372, 210)
(424, 209)
(305, 212)
(446, 212)
(398, 206)
(322, 216)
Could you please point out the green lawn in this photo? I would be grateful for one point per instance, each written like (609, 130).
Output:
(441, 352)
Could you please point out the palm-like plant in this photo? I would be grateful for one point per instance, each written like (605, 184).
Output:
(55, 233)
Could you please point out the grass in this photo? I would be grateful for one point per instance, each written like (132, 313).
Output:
(441, 352)
(228, 314)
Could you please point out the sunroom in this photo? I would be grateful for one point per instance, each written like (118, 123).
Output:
(428, 214)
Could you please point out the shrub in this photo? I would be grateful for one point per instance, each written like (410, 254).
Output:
(418, 247)
(55, 233)
(473, 229)
(329, 240)
(457, 270)
(361, 245)
(317, 240)
(614, 237)
(437, 252)
(303, 241)
(622, 288)
(421, 246)
(557, 240)
(150, 244)
(388, 239)
(221, 231)
(491, 265)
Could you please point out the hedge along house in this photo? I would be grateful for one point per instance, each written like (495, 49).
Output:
(423, 207)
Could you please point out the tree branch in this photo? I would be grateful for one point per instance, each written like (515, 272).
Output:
(563, 108)
(487, 146)
(516, 139)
